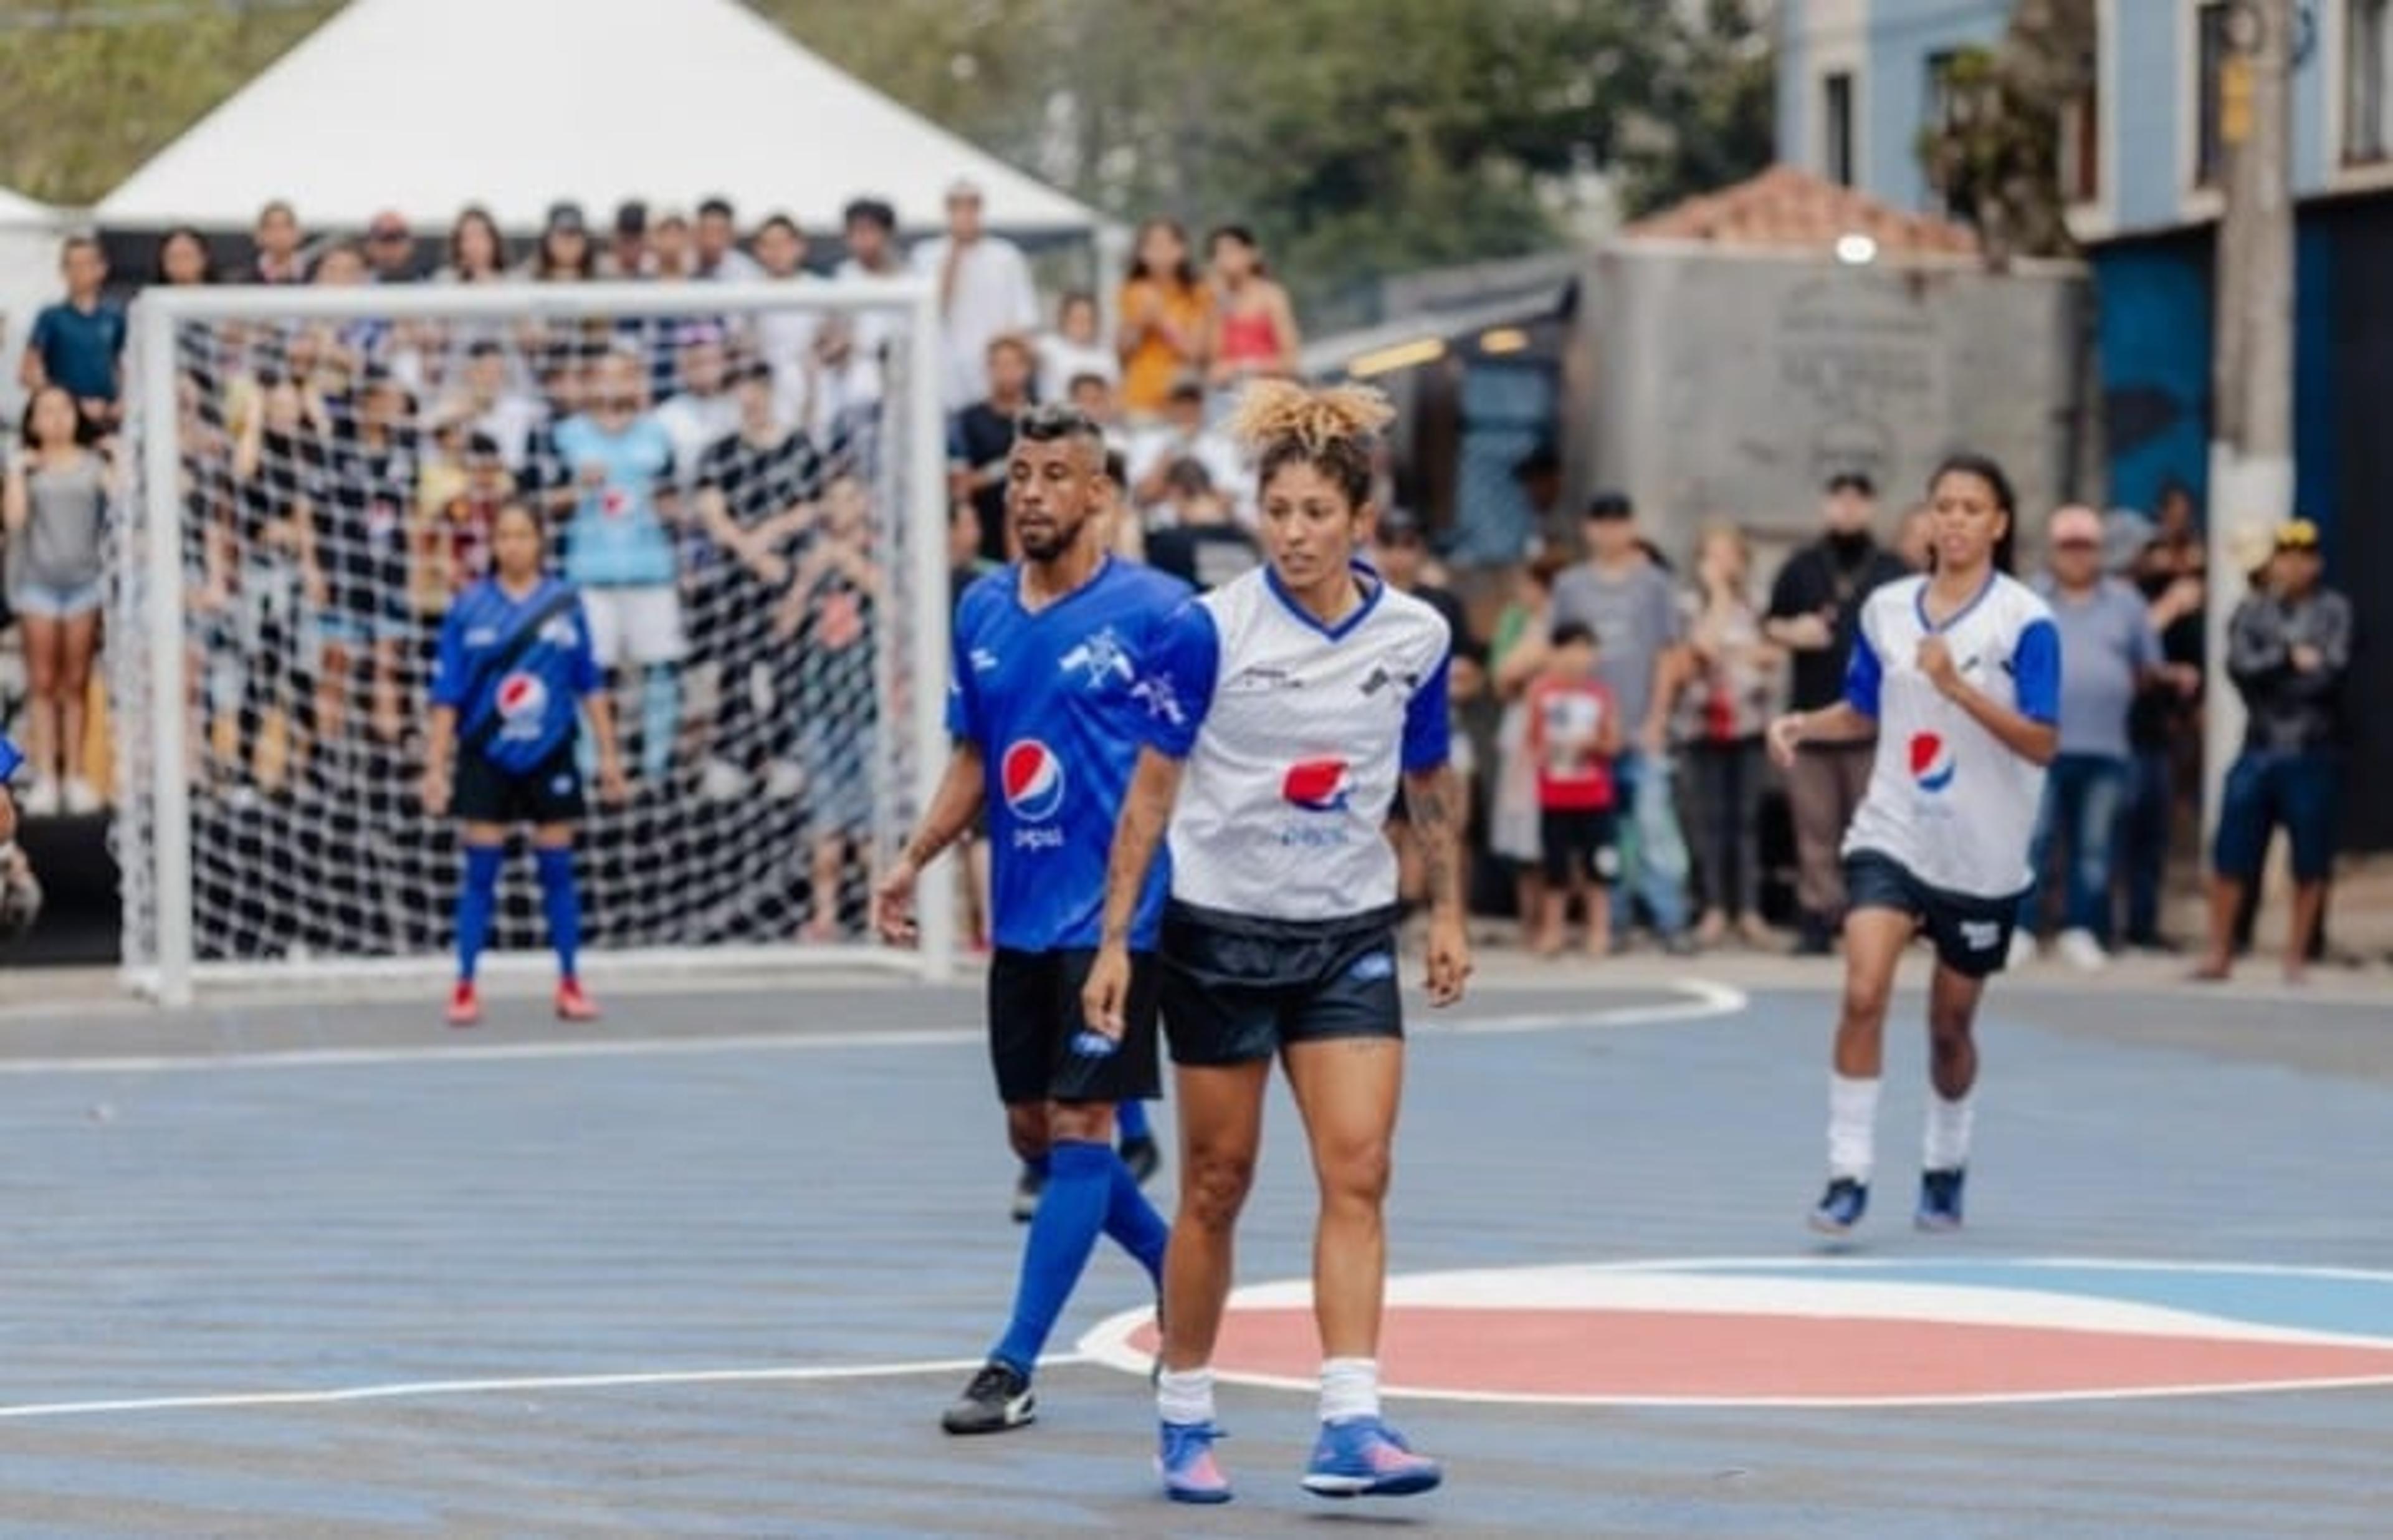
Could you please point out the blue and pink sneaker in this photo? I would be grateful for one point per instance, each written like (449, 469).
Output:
(1365, 1457)
(1191, 1474)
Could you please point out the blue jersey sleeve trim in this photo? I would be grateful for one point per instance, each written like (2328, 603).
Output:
(1429, 720)
(1862, 674)
(1176, 687)
(448, 673)
(2036, 672)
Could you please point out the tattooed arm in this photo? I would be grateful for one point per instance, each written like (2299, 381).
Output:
(1435, 800)
(950, 814)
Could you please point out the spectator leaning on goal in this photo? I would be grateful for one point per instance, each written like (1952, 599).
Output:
(2288, 649)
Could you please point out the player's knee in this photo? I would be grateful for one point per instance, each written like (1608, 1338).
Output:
(1090, 1122)
(1215, 1187)
(1866, 1000)
(1356, 1172)
(1025, 1130)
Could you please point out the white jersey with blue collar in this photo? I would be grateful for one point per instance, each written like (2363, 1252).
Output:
(1296, 736)
(1946, 797)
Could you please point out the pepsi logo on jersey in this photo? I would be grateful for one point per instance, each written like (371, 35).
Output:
(1031, 775)
(521, 697)
(1933, 765)
(1319, 785)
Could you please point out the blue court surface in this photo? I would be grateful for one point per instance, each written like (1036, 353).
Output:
(713, 1267)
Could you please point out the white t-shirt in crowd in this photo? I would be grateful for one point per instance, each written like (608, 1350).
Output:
(992, 297)
(1221, 459)
(693, 423)
(1062, 361)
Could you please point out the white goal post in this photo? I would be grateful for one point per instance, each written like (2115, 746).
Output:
(238, 870)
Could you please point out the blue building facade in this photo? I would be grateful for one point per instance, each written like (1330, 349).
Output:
(1856, 86)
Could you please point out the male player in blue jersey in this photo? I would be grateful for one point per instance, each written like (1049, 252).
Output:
(515, 666)
(1044, 708)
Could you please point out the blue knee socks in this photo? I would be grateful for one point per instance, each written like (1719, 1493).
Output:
(1134, 1225)
(476, 898)
(562, 903)
(1072, 1212)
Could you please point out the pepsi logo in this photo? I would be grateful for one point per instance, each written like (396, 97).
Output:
(1032, 778)
(1931, 762)
(521, 696)
(1319, 785)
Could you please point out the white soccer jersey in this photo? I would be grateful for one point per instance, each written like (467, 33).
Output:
(1296, 736)
(1946, 799)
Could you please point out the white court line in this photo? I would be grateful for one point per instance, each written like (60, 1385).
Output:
(1706, 1000)
(405, 1389)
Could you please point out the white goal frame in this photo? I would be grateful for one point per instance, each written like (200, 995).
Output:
(152, 560)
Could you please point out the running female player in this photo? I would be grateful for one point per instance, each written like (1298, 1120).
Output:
(1282, 709)
(1958, 674)
(514, 664)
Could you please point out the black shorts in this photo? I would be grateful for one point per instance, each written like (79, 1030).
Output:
(550, 792)
(1578, 843)
(1237, 987)
(1035, 1031)
(1972, 936)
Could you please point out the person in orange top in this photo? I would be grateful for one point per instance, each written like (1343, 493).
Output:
(1574, 733)
(1167, 316)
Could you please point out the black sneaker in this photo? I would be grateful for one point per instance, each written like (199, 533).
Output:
(1940, 1199)
(998, 1399)
(1025, 1196)
(1841, 1207)
(1143, 1158)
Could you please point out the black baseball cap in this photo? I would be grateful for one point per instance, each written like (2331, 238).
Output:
(1852, 481)
(1611, 505)
(631, 217)
(567, 217)
(1400, 523)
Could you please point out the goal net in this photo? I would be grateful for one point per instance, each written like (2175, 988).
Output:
(745, 481)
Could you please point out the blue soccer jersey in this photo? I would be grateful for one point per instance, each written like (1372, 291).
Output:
(1052, 700)
(515, 671)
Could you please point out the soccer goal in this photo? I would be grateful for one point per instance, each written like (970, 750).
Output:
(746, 480)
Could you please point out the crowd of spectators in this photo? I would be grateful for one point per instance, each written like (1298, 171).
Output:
(706, 479)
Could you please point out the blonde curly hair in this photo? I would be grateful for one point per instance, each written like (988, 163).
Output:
(1332, 429)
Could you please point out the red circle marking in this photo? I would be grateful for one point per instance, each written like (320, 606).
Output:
(1639, 1354)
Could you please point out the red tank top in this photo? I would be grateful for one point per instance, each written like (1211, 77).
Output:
(1250, 336)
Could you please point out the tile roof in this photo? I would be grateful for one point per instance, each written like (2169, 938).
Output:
(1787, 209)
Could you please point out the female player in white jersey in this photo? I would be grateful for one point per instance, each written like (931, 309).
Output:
(1958, 674)
(1283, 711)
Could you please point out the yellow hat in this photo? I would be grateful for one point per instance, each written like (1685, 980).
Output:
(2298, 534)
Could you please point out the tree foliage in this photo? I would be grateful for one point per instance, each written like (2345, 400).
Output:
(1997, 158)
(1358, 137)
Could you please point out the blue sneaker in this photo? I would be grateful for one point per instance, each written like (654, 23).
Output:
(1940, 1199)
(1365, 1457)
(1185, 1458)
(1841, 1207)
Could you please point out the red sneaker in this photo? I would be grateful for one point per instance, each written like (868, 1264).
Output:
(572, 1005)
(465, 1004)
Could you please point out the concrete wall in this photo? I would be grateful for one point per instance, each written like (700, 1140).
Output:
(1712, 384)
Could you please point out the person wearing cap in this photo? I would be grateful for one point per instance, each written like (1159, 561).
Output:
(627, 249)
(1551, 530)
(1627, 600)
(985, 293)
(1814, 606)
(391, 249)
(2109, 652)
(2288, 649)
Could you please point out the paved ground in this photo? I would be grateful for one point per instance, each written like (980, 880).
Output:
(309, 1270)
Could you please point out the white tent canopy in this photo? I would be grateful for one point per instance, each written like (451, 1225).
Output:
(28, 279)
(424, 105)
(19, 211)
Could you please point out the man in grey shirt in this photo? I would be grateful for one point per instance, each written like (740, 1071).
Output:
(1627, 600)
(2108, 653)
